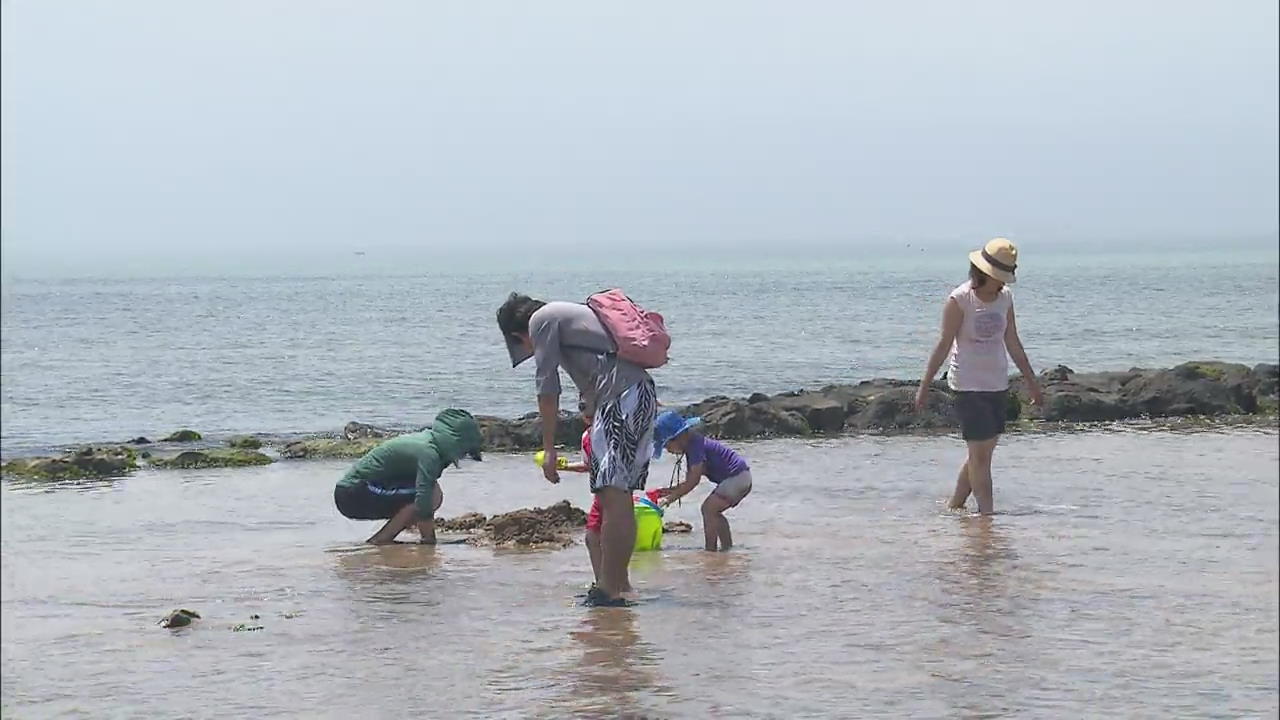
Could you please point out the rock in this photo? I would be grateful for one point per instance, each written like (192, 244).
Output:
(245, 627)
(734, 419)
(1190, 389)
(536, 526)
(218, 458)
(179, 618)
(85, 463)
(183, 436)
(360, 431)
(328, 448)
(139, 441)
(821, 413)
(893, 408)
(525, 433)
(463, 523)
(757, 398)
(677, 526)
(1060, 373)
(244, 442)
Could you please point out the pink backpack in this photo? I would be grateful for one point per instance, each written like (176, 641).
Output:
(641, 335)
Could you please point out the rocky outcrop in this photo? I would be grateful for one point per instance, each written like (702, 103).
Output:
(84, 463)
(1193, 389)
(214, 458)
(328, 448)
(525, 433)
(361, 431)
(183, 436)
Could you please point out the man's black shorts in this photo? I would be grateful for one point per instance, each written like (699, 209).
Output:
(360, 502)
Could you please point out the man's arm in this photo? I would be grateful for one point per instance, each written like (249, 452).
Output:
(549, 410)
(424, 501)
(545, 335)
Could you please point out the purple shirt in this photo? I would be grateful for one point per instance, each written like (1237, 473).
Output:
(718, 461)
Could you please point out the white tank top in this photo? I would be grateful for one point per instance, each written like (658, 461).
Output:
(979, 359)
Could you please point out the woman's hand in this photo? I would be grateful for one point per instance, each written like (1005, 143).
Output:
(1037, 397)
(922, 397)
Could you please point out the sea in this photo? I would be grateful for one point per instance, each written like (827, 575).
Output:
(1132, 569)
(382, 341)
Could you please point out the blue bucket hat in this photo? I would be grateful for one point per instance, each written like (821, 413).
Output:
(670, 426)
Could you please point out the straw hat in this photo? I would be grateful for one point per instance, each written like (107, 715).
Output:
(999, 259)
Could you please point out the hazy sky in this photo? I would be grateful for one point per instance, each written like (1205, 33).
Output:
(182, 132)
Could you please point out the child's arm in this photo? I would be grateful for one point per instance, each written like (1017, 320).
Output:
(691, 480)
(578, 467)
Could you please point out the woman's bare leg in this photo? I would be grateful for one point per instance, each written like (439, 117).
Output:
(961, 495)
(979, 472)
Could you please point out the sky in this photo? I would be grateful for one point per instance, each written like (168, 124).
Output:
(163, 135)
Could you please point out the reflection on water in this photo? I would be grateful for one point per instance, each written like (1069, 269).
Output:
(1105, 592)
(615, 665)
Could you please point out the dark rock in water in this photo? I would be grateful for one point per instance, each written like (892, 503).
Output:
(463, 523)
(1060, 373)
(139, 441)
(728, 418)
(526, 433)
(677, 526)
(328, 448)
(182, 436)
(360, 431)
(893, 408)
(821, 413)
(218, 458)
(179, 618)
(85, 463)
(244, 442)
(536, 526)
(1200, 388)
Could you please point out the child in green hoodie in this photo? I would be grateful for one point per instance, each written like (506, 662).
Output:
(398, 481)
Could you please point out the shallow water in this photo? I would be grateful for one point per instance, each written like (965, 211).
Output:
(1132, 575)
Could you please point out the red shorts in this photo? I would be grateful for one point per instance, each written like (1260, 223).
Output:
(595, 519)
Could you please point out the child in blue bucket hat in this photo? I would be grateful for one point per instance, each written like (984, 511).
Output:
(708, 458)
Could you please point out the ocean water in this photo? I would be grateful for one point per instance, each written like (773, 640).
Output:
(1131, 576)
(106, 359)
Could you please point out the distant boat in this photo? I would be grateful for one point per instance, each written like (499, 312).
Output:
(359, 252)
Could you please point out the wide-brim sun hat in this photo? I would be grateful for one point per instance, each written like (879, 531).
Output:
(668, 427)
(998, 258)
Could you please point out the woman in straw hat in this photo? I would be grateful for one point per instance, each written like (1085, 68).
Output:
(979, 335)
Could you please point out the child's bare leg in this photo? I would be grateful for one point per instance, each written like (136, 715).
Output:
(401, 520)
(715, 528)
(961, 495)
(593, 551)
(979, 472)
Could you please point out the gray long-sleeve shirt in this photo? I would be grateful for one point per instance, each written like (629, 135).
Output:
(570, 336)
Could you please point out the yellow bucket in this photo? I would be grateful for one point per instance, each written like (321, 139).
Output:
(648, 525)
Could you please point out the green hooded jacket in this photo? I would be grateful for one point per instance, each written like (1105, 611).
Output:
(413, 462)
